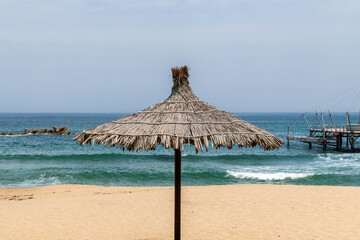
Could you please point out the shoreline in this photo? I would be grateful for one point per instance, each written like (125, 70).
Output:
(251, 211)
(182, 186)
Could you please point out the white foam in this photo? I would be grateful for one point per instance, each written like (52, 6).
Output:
(20, 135)
(41, 181)
(341, 160)
(340, 156)
(267, 176)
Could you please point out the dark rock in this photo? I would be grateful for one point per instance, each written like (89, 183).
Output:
(41, 131)
(56, 129)
(7, 133)
(64, 131)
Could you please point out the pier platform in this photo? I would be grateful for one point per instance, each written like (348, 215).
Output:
(340, 137)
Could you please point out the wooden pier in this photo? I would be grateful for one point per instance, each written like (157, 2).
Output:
(329, 135)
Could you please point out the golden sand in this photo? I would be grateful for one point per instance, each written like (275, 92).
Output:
(212, 212)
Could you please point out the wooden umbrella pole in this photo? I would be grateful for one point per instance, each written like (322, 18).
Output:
(177, 194)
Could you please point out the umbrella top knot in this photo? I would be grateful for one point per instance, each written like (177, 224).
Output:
(180, 76)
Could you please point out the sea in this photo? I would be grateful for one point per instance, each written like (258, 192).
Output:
(38, 160)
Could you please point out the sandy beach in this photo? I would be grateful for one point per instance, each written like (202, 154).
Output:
(208, 212)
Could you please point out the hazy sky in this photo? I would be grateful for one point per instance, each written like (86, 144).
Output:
(115, 56)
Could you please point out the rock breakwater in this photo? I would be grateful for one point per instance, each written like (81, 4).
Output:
(54, 131)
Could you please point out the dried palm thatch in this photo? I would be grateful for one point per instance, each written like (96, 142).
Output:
(181, 119)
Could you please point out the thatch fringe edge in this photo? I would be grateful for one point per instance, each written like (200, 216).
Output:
(172, 135)
(149, 142)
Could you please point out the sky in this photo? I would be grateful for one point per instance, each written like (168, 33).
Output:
(116, 56)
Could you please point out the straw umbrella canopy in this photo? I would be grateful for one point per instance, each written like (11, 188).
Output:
(179, 120)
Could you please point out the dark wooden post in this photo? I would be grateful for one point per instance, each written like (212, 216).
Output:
(288, 135)
(307, 123)
(341, 141)
(177, 234)
(317, 116)
(352, 142)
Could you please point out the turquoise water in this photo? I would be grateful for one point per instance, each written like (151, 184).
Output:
(36, 160)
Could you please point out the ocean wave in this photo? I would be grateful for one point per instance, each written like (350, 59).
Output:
(91, 156)
(338, 160)
(43, 180)
(339, 156)
(159, 156)
(18, 135)
(267, 176)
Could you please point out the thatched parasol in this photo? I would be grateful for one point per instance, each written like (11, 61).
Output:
(181, 119)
